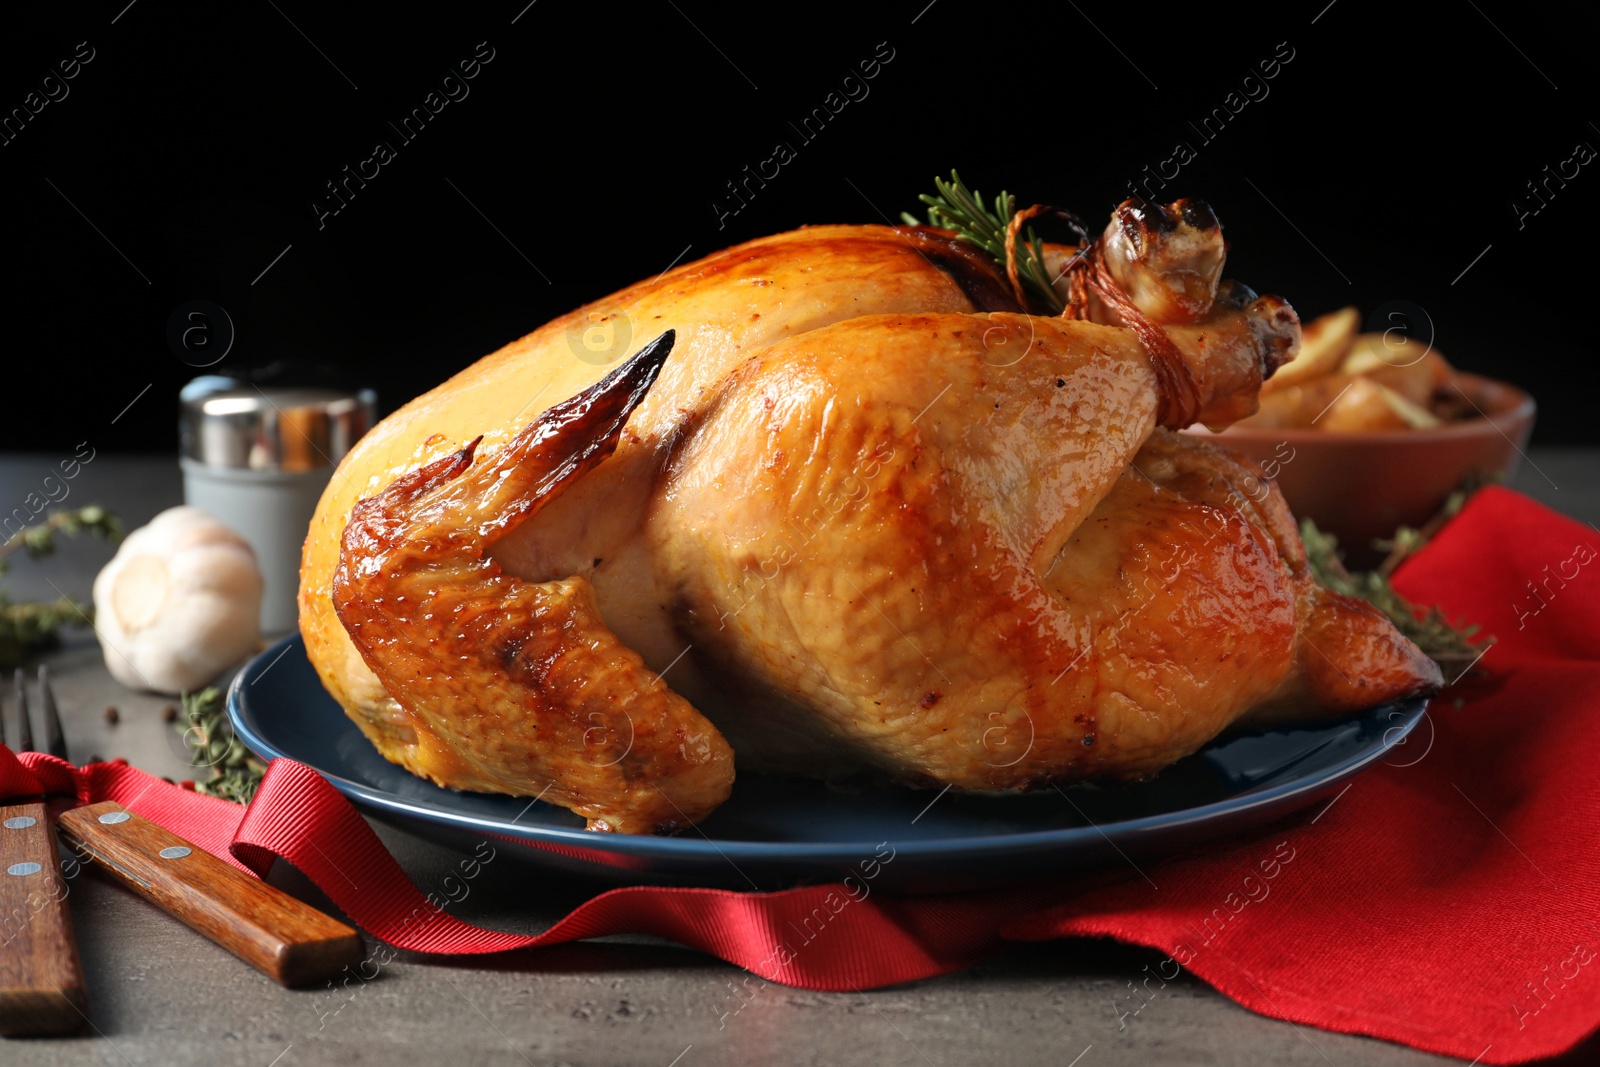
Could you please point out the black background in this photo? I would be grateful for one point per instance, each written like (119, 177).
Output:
(1384, 161)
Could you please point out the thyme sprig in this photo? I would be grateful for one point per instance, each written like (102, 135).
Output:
(236, 772)
(29, 628)
(39, 540)
(961, 210)
(1454, 647)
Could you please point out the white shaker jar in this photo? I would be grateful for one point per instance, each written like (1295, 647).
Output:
(258, 458)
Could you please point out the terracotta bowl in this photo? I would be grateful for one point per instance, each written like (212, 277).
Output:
(1361, 486)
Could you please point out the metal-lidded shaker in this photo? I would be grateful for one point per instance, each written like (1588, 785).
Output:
(257, 458)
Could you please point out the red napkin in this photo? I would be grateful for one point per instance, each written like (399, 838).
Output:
(1447, 900)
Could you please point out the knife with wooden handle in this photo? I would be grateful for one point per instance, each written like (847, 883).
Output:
(41, 977)
(287, 940)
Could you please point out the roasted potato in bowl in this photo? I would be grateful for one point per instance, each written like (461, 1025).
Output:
(1345, 382)
(1375, 431)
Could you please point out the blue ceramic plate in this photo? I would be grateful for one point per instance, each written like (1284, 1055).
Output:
(774, 832)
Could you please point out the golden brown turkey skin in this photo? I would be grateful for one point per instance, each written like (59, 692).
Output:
(722, 308)
(566, 711)
(909, 559)
(864, 518)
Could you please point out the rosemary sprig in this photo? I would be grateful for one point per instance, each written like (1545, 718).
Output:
(1453, 647)
(236, 773)
(961, 210)
(28, 628)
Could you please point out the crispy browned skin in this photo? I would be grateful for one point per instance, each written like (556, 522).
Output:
(522, 680)
(1000, 590)
(868, 517)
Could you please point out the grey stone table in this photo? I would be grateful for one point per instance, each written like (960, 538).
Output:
(162, 995)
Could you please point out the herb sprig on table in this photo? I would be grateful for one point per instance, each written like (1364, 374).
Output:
(236, 773)
(960, 209)
(27, 628)
(1453, 647)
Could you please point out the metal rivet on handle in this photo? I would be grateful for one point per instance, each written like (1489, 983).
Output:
(176, 852)
(23, 869)
(112, 817)
(20, 822)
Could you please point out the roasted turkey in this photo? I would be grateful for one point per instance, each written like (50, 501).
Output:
(852, 511)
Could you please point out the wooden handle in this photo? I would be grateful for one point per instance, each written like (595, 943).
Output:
(41, 977)
(288, 941)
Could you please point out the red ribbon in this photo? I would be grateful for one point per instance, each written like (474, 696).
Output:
(298, 817)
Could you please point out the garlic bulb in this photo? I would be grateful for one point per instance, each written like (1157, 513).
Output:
(178, 604)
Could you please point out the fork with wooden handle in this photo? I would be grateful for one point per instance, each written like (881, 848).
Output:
(41, 977)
